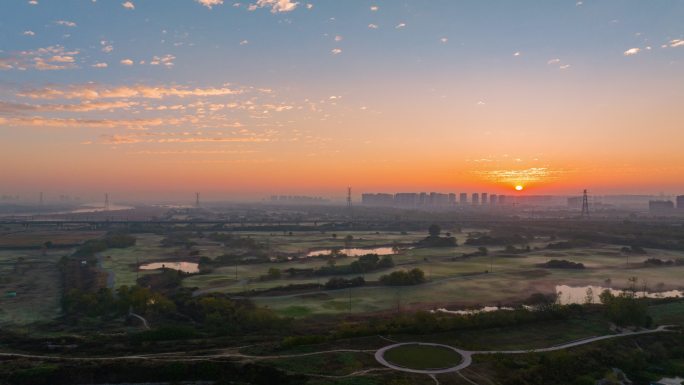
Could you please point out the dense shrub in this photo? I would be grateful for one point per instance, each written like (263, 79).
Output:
(403, 278)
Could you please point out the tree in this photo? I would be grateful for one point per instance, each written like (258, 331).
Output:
(434, 230)
(403, 278)
(625, 309)
(589, 297)
(274, 273)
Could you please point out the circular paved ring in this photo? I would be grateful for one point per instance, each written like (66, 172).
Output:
(465, 362)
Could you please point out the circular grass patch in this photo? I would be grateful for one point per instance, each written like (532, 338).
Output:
(423, 357)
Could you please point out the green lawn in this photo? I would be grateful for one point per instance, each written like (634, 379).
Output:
(668, 313)
(423, 357)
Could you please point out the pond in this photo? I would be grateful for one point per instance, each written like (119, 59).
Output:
(186, 267)
(353, 251)
(579, 294)
(485, 309)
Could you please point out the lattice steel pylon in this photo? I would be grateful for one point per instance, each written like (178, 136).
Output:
(585, 205)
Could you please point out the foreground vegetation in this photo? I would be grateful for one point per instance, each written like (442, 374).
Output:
(260, 290)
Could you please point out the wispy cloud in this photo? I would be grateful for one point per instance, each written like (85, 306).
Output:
(106, 46)
(86, 106)
(43, 59)
(632, 51)
(29, 33)
(559, 63)
(275, 5)
(126, 62)
(336, 51)
(676, 43)
(44, 122)
(65, 23)
(95, 91)
(400, 26)
(128, 5)
(210, 3)
(166, 60)
(520, 176)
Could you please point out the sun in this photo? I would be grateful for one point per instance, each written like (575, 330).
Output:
(519, 188)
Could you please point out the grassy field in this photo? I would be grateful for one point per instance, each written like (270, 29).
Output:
(453, 281)
(463, 282)
(341, 363)
(36, 238)
(520, 337)
(34, 276)
(422, 357)
(668, 313)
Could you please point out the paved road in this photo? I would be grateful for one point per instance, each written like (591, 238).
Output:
(468, 355)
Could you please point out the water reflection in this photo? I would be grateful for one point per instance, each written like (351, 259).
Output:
(485, 309)
(581, 294)
(353, 252)
(186, 267)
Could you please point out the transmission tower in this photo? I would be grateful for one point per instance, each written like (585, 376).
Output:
(106, 206)
(349, 206)
(197, 201)
(585, 205)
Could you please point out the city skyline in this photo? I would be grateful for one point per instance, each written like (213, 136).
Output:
(147, 99)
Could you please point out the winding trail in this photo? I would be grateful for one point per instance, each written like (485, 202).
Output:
(467, 355)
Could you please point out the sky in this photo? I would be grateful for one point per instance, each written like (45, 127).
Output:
(241, 100)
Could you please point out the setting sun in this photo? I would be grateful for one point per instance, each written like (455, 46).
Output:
(519, 188)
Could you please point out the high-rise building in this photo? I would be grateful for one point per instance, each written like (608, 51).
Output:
(484, 198)
(422, 199)
(406, 199)
(493, 199)
(463, 198)
(660, 207)
(475, 200)
(680, 202)
(452, 199)
(377, 199)
(438, 199)
(502, 200)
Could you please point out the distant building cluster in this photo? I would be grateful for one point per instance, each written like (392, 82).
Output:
(297, 199)
(432, 199)
(666, 206)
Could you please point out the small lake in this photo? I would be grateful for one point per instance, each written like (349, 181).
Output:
(353, 251)
(578, 294)
(485, 309)
(186, 267)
